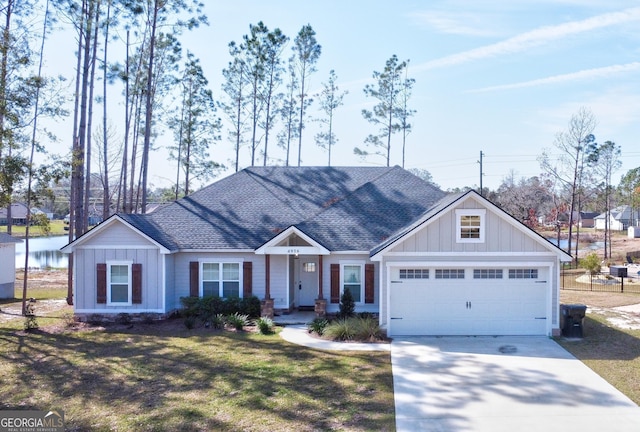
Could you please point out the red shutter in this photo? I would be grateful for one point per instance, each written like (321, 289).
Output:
(194, 279)
(101, 272)
(247, 279)
(335, 283)
(368, 283)
(136, 280)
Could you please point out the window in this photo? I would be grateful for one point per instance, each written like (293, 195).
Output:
(449, 273)
(523, 273)
(352, 278)
(414, 273)
(119, 283)
(487, 273)
(220, 279)
(470, 225)
(309, 267)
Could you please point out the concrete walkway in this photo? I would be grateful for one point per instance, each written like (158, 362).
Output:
(299, 335)
(502, 384)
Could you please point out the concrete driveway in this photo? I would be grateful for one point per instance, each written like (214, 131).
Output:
(501, 384)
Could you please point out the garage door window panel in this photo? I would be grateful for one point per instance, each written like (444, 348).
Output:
(449, 273)
(487, 273)
(523, 273)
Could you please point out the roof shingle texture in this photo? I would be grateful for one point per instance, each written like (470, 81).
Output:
(343, 208)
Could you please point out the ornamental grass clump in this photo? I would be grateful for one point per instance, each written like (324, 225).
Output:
(237, 320)
(318, 325)
(265, 325)
(354, 329)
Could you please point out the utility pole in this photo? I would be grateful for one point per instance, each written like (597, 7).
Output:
(481, 173)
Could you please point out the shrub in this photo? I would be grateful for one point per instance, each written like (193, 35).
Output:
(341, 329)
(205, 308)
(190, 322)
(591, 263)
(124, 318)
(265, 325)
(30, 319)
(347, 305)
(237, 320)
(317, 326)
(69, 319)
(367, 329)
(354, 329)
(216, 322)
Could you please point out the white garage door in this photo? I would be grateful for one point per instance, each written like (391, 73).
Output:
(468, 301)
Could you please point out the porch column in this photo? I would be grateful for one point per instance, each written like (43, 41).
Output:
(266, 305)
(321, 303)
(320, 297)
(267, 277)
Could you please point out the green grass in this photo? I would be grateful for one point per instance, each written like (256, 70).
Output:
(163, 377)
(612, 353)
(57, 229)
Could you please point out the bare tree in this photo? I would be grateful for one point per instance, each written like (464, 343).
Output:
(574, 145)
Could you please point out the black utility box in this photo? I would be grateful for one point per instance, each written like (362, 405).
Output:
(618, 271)
(572, 319)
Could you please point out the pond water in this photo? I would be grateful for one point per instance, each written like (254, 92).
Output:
(44, 252)
(564, 242)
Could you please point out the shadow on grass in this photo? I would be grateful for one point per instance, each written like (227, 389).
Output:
(152, 377)
(603, 342)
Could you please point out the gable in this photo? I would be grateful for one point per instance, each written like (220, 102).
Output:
(499, 232)
(113, 233)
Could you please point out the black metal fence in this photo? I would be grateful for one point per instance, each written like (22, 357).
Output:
(580, 280)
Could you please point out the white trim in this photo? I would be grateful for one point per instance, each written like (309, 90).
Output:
(90, 247)
(127, 263)
(505, 265)
(104, 225)
(474, 264)
(264, 249)
(220, 262)
(163, 280)
(426, 221)
(469, 254)
(228, 251)
(119, 310)
(360, 263)
(481, 214)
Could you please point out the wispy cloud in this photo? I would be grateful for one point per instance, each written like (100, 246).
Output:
(467, 24)
(602, 72)
(537, 37)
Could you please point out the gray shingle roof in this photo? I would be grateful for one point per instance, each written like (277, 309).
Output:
(6, 238)
(343, 208)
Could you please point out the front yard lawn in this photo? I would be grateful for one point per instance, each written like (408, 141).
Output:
(612, 352)
(157, 377)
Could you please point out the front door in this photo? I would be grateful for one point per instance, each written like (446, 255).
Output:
(307, 283)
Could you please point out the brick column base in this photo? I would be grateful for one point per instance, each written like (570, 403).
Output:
(321, 308)
(266, 308)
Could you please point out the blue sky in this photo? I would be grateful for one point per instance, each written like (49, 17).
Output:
(501, 77)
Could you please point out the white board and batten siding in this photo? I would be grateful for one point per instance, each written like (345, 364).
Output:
(118, 243)
(470, 306)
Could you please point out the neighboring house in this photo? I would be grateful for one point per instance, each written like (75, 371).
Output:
(18, 214)
(7, 265)
(423, 261)
(587, 219)
(622, 218)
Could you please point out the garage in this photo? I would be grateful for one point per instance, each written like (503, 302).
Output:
(475, 300)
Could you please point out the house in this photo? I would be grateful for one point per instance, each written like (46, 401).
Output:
(587, 219)
(7, 265)
(297, 237)
(18, 214)
(622, 218)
